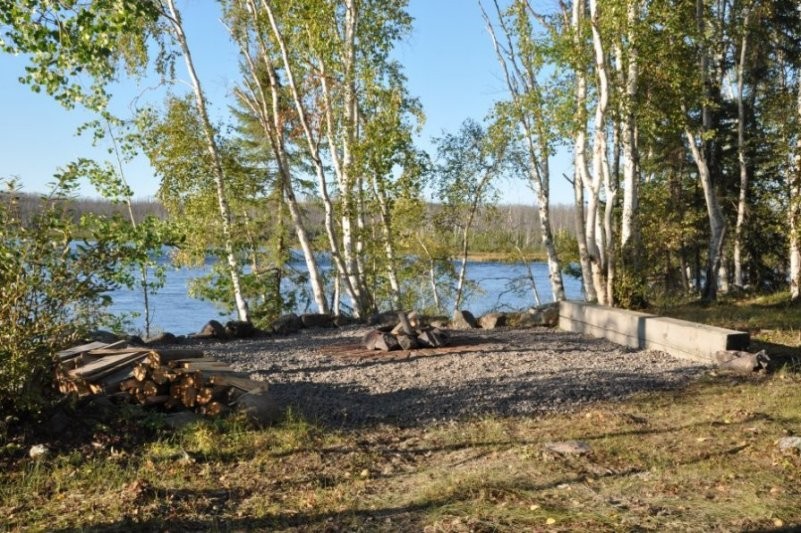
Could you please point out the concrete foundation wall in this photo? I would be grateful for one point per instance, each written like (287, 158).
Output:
(687, 340)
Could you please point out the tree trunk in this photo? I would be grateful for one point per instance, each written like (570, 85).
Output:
(270, 117)
(795, 213)
(214, 152)
(717, 224)
(595, 232)
(629, 229)
(317, 163)
(389, 247)
(742, 201)
(580, 158)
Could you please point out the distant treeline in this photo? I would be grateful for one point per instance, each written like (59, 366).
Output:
(28, 205)
(497, 229)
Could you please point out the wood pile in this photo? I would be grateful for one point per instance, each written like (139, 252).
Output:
(172, 379)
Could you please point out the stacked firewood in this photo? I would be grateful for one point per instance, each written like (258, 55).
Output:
(172, 379)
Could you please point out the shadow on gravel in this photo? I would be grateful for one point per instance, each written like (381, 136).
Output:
(340, 406)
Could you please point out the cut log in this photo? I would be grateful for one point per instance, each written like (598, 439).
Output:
(78, 350)
(111, 362)
(171, 354)
(141, 371)
(244, 384)
(212, 409)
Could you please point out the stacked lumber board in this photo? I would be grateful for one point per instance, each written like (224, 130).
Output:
(172, 379)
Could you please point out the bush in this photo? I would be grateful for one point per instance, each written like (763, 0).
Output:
(51, 293)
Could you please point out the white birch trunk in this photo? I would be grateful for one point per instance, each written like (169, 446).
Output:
(717, 224)
(580, 158)
(594, 231)
(742, 200)
(536, 134)
(270, 119)
(795, 213)
(214, 152)
(628, 228)
(389, 248)
(316, 159)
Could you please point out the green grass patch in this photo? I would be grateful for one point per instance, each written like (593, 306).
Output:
(701, 458)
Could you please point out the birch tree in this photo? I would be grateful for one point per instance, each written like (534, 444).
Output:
(262, 93)
(523, 62)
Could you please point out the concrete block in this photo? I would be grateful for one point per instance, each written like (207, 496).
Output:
(680, 338)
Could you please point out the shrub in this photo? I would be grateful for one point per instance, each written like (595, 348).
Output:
(51, 293)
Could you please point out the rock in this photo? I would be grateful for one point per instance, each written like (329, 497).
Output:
(387, 319)
(439, 322)
(523, 320)
(407, 342)
(259, 407)
(545, 315)
(39, 451)
(134, 340)
(102, 335)
(569, 447)
(743, 361)
(212, 329)
(181, 419)
(787, 444)
(344, 320)
(463, 320)
(286, 324)
(433, 338)
(162, 339)
(239, 329)
(317, 320)
(379, 340)
(492, 320)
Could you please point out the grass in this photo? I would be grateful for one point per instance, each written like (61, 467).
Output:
(772, 320)
(701, 458)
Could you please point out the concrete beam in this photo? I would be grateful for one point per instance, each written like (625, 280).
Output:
(680, 338)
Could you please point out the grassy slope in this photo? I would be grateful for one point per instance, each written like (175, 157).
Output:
(701, 458)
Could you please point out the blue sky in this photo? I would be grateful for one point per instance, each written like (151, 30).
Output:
(448, 59)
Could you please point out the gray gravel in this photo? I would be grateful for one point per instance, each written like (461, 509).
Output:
(499, 372)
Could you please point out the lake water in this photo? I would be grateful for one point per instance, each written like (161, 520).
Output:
(174, 311)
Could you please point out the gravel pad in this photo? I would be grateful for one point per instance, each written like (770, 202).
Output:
(499, 372)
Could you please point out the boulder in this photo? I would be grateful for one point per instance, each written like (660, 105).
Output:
(379, 340)
(212, 329)
(286, 324)
(744, 362)
(102, 335)
(439, 322)
(546, 315)
(433, 338)
(387, 319)
(790, 444)
(407, 342)
(134, 340)
(317, 320)
(259, 407)
(162, 339)
(493, 320)
(463, 320)
(239, 329)
(569, 447)
(344, 320)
